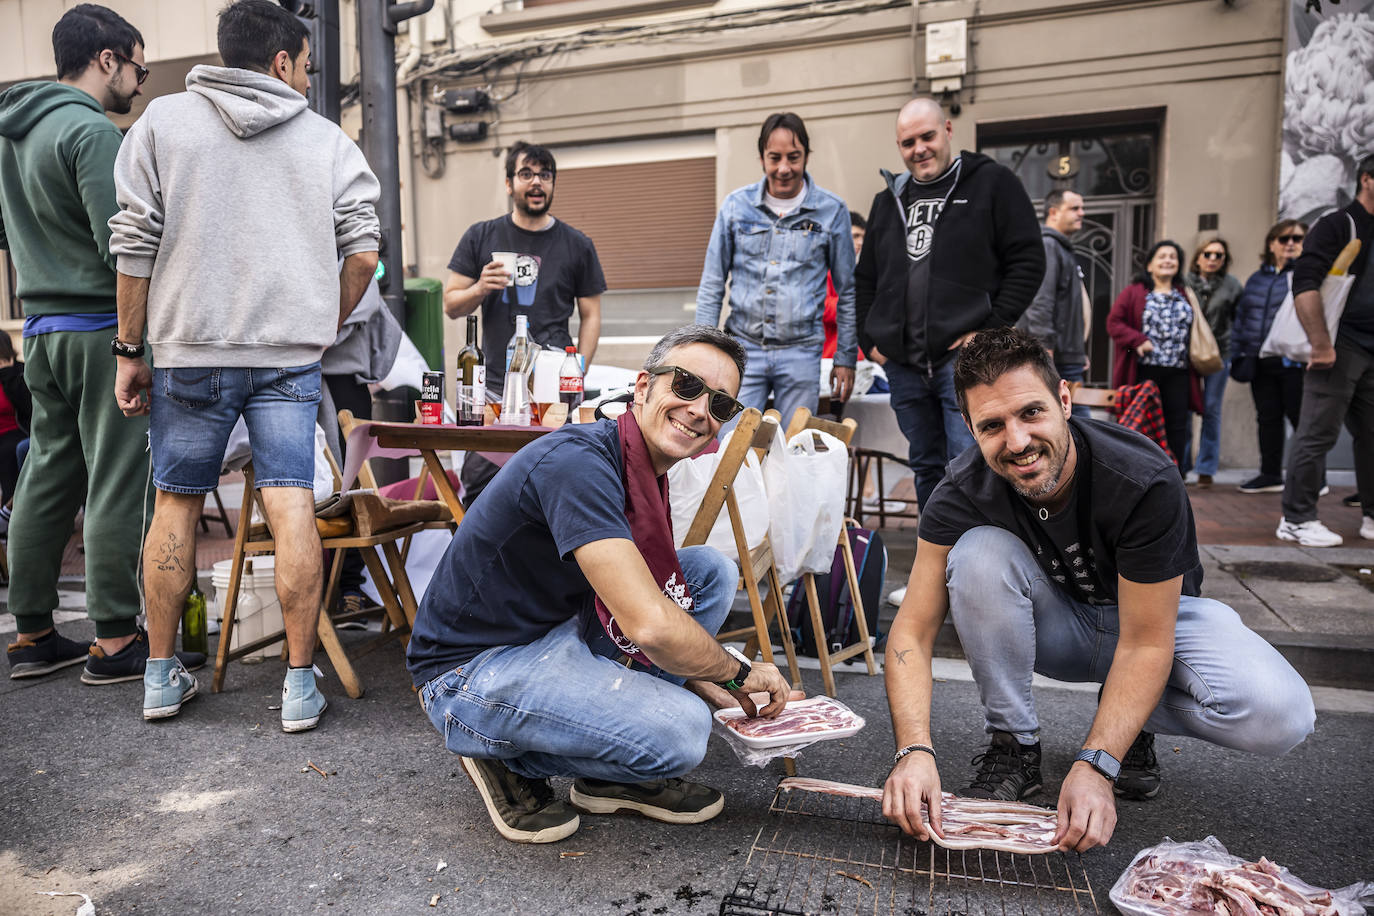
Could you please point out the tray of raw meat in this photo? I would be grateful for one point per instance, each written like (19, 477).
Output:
(803, 721)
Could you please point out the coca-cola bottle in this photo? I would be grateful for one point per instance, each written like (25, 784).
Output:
(472, 382)
(570, 380)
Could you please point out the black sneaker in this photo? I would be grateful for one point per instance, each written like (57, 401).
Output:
(128, 663)
(1352, 501)
(522, 810)
(1139, 777)
(37, 657)
(1007, 770)
(673, 801)
(1262, 483)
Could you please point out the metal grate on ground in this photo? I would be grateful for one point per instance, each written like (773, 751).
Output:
(822, 854)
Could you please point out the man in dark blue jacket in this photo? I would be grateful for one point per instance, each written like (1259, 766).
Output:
(953, 247)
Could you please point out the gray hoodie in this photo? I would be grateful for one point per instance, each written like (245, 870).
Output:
(237, 201)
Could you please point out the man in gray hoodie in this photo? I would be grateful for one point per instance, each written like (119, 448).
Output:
(236, 202)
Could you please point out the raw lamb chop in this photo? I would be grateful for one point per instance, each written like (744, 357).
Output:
(969, 823)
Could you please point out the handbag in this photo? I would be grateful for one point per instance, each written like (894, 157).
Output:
(1243, 368)
(1203, 353)
(1286, 336)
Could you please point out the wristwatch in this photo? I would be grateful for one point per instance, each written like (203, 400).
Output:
(120, 348)
(737, 683)
(1101, 761)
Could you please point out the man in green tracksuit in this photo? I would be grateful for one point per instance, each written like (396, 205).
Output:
(57, 153)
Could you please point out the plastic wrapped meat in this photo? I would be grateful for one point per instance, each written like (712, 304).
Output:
(800, 721)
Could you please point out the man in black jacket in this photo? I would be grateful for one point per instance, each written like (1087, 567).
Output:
(1340, 374)
(953, 247)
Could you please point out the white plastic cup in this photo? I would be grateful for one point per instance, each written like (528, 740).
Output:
(507, 261)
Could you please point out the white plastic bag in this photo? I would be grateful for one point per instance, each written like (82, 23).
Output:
(687, 483)
(1171, 861)
(806, 482)
(1286, 335)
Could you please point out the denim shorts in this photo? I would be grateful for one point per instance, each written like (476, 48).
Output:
(194, 410)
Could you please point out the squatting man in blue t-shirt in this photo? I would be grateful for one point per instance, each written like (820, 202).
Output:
(563, 567)
(1066, 547)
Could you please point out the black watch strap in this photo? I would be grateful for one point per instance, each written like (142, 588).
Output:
(1101, 761)
(737, 682)
(120, 348)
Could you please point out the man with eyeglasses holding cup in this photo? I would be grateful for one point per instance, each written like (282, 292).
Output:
(565, 566)
(524, 263)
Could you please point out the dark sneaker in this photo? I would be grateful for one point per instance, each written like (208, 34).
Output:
(129, 663)
(349, 605)
(1352, 501)
(1139, 777)
(522, 810)
(673, 801)
(37, 657)
(1007, 770)
(1262, 483)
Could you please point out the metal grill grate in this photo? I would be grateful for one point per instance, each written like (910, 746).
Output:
(821, 854)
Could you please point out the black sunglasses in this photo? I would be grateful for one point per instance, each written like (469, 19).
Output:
(1213, 255)
(1291, 239)
(689, 387)
(140, 71)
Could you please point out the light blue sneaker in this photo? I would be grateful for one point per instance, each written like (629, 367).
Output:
(166, 685)
(302, 704)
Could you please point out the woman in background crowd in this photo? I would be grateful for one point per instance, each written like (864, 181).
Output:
(16, 409)
(1149, 323)
(1217, 292)
(1275, 382)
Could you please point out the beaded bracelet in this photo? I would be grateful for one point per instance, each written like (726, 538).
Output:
(911, 748)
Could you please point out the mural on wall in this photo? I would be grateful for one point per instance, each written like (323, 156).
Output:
(1328, 106)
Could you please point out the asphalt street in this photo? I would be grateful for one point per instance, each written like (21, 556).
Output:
(218, 811)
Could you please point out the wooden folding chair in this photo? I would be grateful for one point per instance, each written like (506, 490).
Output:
(802, 420)
(337, 534)
(752, 432)
(1092, 397)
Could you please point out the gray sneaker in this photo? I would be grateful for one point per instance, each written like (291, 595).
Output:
(522, 810)
(673, 801)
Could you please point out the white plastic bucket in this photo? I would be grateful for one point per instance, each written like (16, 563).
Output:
(259, 610)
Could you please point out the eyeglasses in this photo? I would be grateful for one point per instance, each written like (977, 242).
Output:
(1213, 255)
(140, 71)
(1290, 239)
(527, 175)
(689, 387)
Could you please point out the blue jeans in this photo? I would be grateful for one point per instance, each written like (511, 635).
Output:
(792, 374)
(193, 411)
(928, 414)
(1209, 448)
(1075, 374)
(559, 707)
(1228, 686)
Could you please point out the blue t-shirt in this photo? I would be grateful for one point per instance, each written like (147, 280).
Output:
(509, 576)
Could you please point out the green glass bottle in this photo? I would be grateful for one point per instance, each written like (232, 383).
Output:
(193, 635)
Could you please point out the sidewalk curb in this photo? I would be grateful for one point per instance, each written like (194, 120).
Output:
(1323, 659)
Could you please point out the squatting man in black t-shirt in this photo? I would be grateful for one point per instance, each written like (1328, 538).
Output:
(1066, 547)
(563, 566)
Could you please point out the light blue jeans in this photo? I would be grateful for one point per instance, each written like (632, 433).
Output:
(1209, 448)
(792, 374)
(1228, 686)
(928, 415)
(561, 707)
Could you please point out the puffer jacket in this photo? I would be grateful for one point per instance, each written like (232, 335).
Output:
(1259, 302)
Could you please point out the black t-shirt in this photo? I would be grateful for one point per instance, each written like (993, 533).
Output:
(508, 576)
(922, 203)
(553, 267)
(1128, 515)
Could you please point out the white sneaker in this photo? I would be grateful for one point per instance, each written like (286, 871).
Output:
(1324, 490)
(897, 596)
(1310, 534)
(1367, 528)
(889, 506)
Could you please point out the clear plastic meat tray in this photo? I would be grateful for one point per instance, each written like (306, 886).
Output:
(802, 722)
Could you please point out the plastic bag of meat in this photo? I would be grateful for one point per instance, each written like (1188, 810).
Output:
(1172, 878)
(803, 723)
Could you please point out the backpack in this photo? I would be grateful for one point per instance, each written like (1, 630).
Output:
(836, 602)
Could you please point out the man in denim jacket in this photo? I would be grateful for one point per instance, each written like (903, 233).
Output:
(776, 239)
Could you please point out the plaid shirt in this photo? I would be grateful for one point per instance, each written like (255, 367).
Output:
(1138, 407)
